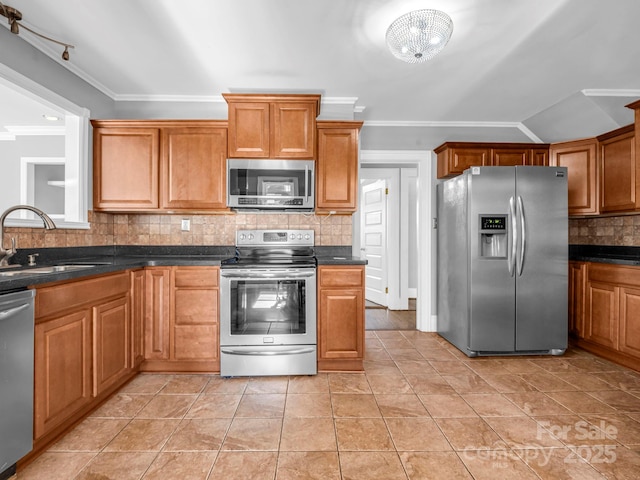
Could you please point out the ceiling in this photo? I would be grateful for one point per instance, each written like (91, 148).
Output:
(543, 70)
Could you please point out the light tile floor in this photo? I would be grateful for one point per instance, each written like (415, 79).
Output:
(421, 410)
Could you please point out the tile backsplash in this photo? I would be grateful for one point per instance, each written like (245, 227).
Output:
(618, 231)
(141, 229)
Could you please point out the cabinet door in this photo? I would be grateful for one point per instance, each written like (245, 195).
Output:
(630, 320)
(111, 343)
(576, 298)
(156, 322)
(602, 314)
(194, 168)
(341, 313)
(125, 168)
(618, 182)
(337, 169)
(506, 157)
(195, 314)
(62, 369)
(540, 156)
(293, 130)
(455, 160)
(580, 159)
(249, 130)
(137, 317)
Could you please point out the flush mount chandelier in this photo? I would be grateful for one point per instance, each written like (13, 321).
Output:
(14, 16)
(417, 36)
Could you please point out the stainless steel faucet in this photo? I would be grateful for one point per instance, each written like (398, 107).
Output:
(5, 255)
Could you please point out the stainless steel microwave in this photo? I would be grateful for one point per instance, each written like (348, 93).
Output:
(270, 184)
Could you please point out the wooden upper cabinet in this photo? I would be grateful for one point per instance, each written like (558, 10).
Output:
(619, 177)
(125, 168)
(272, 126)
(337, 166)
(504, 157)
(194, 168)
(159, 165)
(580, 158)
(249, 132)
(455, 157)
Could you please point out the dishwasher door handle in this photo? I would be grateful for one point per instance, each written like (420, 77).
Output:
(12, 311)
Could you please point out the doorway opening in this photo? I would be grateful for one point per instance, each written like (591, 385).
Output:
(387, 238)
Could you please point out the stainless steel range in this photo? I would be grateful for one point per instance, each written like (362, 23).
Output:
(268, 305)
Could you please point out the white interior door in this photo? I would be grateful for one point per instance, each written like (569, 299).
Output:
(373, 240)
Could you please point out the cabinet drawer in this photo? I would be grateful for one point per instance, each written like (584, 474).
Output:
(614, 274)
(71, 295)
(196, 277)
(341, 276)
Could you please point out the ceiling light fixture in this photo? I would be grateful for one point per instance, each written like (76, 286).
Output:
(14, 16)
(417, 36)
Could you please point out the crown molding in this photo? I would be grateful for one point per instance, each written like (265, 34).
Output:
(610, 92)
(453, 124)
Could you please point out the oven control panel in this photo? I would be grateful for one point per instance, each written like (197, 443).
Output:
(274, 238)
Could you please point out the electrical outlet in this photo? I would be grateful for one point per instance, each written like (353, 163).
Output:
(186, 225)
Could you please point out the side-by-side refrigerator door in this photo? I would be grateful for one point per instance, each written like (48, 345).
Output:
(492, 281)
(542, 259)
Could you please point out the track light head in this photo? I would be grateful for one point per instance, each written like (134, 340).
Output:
(14, 16)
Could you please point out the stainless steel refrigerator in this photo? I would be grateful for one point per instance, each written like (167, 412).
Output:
(503, 260)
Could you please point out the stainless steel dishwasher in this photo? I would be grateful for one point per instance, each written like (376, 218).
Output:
(16, 378)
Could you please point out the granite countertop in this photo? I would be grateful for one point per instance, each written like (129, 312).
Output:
(605, 254)
(109, 259)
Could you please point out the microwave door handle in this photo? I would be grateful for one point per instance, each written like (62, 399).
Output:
(306, 184)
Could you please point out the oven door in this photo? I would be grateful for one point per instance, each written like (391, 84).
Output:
(268, 306)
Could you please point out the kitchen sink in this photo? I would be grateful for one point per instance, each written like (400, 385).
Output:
(44, 270)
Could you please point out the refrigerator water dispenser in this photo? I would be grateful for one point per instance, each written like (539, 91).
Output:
(493, 236)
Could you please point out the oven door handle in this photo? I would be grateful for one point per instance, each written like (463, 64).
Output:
(271, 275)
(292, 351)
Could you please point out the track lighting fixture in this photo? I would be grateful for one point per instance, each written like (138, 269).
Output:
(14, 16)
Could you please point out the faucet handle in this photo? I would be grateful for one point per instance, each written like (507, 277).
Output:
(32, 259)
(13, 246)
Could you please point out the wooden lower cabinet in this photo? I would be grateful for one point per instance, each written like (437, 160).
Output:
(82, 350)
(157, 282)
(181, 320)
(137, 317)
(629, 330)
(111, 344)
(611, 306)
(577, 275)
(62, 370)
(340, 317)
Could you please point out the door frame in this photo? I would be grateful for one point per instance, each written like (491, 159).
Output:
(425, 162)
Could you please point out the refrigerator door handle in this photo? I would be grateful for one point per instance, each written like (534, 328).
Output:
(523, 234)
(511, 258)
